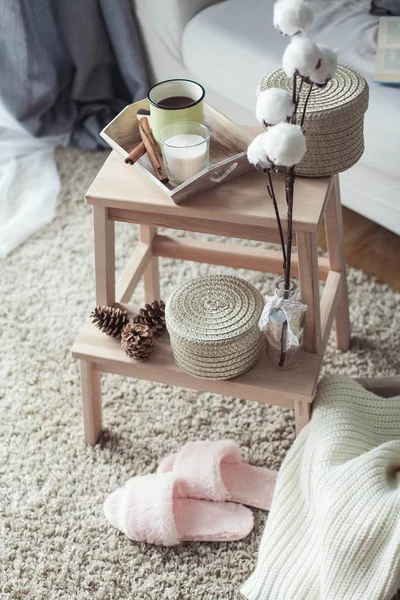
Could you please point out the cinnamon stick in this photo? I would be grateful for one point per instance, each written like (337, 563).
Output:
(135, 154)
(151, 149)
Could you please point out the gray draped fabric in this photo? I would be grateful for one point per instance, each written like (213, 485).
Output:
(69, 65)
(385, 7)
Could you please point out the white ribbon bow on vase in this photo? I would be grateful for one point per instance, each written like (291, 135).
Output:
(277, 310)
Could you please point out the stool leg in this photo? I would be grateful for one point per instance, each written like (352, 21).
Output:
(91, 401)
(334, 238)
(309, 289)
(151, 275)
(104, 256)
(302, 414)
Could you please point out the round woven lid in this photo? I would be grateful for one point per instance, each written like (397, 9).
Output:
(213, 308)
(334, 123)
(213, 326)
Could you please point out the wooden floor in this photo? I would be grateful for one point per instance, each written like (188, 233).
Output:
(371, 248)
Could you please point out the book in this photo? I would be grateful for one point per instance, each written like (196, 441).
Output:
(387, 64)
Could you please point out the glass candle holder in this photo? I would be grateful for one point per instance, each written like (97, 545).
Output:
(185, 149)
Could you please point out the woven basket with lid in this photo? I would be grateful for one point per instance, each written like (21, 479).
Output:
(213, 326)
(334, 124)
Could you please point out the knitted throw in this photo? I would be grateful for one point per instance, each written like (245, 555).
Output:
(333, 532)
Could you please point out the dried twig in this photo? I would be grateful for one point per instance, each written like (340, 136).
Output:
(289, 179)
(305, 105)
(278, 217)
(289, 190)
(294, 88)
(294, 97)
(298, 99)
(289, 229)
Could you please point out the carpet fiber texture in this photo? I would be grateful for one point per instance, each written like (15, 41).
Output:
(55, 541)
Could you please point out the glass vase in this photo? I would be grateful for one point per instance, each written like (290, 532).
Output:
(284, 327)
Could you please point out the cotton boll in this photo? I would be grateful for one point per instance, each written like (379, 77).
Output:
(273, 106)
(284, 144)
(292, 16)
(302, 57)
(327, 67)
(256, 154)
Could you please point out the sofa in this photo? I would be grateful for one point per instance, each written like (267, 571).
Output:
(229, 45)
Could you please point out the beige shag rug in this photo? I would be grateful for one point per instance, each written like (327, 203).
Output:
(55, 542)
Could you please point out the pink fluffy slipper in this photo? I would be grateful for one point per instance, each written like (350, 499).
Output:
(153, 509)
(214, 471)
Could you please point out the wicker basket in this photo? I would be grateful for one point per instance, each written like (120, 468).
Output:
(334, 123)
(213, 326)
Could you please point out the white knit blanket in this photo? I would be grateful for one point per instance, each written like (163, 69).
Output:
(333, 532)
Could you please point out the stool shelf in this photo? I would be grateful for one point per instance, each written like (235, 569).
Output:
(262, 383)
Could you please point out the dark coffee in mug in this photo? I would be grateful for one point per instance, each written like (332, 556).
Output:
(176, 102)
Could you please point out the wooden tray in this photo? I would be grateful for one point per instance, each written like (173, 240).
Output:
(228, 147)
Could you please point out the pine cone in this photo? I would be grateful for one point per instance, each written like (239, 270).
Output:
(111, 320)
(137, 340)
(153, 315)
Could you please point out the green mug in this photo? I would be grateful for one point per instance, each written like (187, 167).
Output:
(173, 101)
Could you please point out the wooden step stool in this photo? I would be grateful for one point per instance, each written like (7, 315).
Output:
(240, 208)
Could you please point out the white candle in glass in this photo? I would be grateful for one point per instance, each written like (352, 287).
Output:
(185, 148)
(185, 156)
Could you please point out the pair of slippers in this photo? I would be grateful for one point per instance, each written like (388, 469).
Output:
(196, 495)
